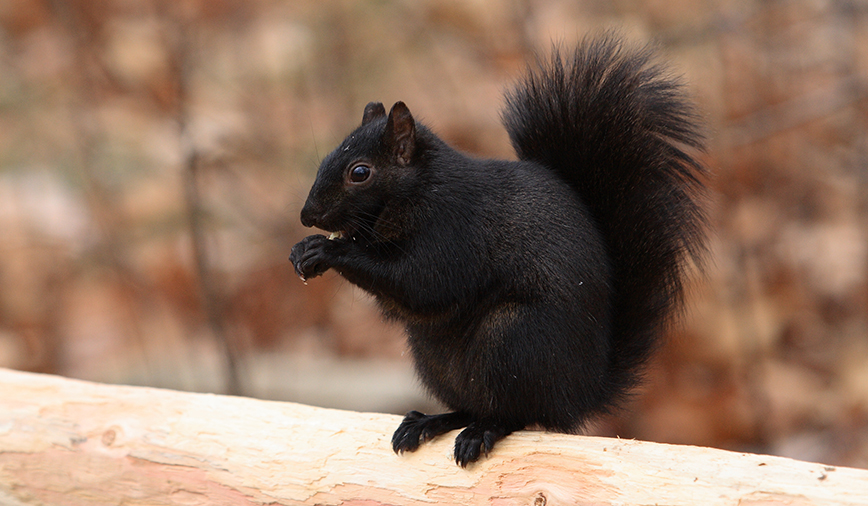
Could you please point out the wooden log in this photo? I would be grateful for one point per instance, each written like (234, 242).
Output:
(70, 442)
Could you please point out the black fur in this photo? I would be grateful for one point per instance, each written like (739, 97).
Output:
(532, 291)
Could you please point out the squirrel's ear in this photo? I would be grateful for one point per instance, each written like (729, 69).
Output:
(373, 111)
(401, 132)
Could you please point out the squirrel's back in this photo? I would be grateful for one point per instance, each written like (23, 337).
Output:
(611, 123)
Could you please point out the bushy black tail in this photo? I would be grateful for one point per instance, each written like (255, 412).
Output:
(612, 123)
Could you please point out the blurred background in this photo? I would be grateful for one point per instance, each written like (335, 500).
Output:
(155, 154)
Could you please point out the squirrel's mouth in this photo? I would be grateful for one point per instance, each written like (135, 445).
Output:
(343, 235)
(354, 230)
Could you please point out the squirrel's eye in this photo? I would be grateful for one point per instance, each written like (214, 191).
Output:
(360, 173)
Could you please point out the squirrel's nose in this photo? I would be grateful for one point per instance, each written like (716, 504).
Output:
(306, 216)
(311, 214)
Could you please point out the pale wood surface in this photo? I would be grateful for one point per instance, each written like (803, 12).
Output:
(69, 442)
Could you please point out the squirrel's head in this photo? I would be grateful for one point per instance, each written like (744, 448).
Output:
(357, 181)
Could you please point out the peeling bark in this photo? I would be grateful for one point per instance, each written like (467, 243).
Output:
(70, 442)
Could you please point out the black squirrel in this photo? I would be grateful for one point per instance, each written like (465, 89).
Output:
(532, 291)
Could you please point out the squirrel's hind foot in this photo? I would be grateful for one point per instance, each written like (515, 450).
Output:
(478, 439)
(418, 427)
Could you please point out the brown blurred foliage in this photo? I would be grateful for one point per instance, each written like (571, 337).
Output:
(154, 156)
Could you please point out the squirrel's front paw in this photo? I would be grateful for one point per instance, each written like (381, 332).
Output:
(311, 256)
